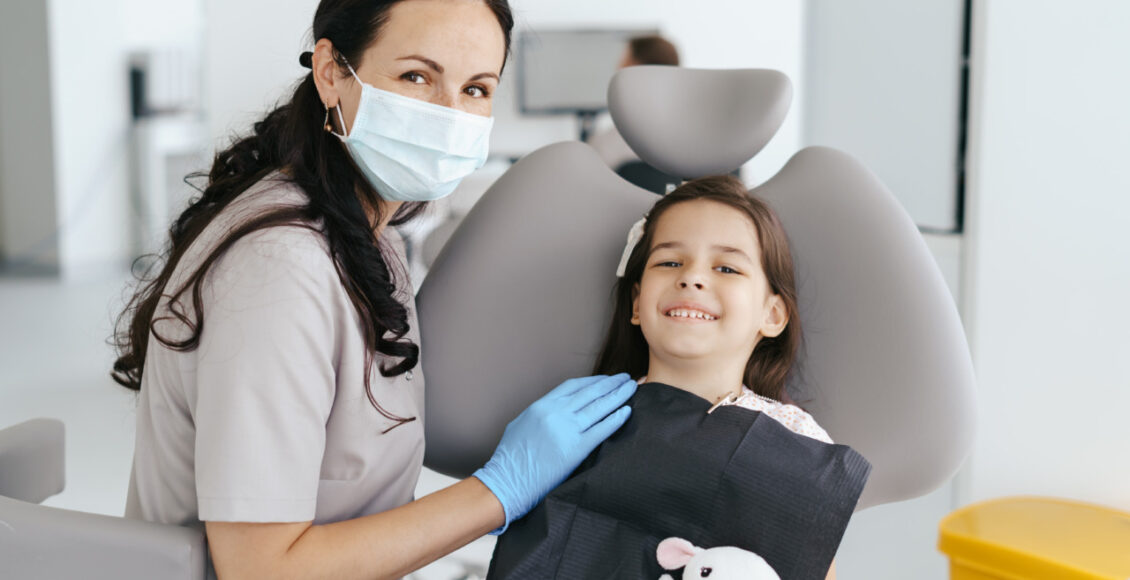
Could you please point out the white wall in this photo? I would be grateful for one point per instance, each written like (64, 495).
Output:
(64, 150)
(161, 23)
(90, 110)
(1048, 251)
(27, 171)
(251, 50)
(249, 67)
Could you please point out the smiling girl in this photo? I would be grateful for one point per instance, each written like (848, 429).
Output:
(706, 320)
(708, 302)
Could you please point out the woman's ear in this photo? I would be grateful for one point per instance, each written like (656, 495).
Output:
(325, 73)
(776, 317)
(636, 304)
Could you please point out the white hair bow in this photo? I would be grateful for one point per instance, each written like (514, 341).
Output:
(634, 236)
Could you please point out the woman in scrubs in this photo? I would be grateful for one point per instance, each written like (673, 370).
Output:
(276, 352)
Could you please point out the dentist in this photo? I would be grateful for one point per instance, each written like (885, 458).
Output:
(276, 352)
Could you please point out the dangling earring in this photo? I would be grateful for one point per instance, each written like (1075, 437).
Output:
(329, 126)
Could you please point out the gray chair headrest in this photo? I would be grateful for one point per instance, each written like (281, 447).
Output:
(696, 122)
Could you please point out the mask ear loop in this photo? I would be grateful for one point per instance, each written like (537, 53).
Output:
(326, 120)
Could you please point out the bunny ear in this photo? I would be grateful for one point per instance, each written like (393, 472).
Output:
(674, 553)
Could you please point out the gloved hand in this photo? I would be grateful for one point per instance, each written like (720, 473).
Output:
(544, 444)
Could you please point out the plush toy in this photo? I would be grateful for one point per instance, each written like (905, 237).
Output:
(723, 563)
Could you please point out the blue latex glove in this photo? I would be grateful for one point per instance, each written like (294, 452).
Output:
(543, 445)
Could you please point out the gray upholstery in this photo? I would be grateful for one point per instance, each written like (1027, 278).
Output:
(31, 460)
(694, 122)
(885, 366)
(49, 543)
(512, 304)
(519, 298)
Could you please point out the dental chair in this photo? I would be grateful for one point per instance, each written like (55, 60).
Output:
(520, 296)
(45, 542)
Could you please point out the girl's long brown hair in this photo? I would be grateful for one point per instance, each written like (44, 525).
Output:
(625, 349)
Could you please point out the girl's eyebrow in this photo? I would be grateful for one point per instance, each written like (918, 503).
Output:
(439, 68)
(731, 250)
(716, 248)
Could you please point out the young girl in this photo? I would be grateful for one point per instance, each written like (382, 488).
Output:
(707, 301)
(706, 319)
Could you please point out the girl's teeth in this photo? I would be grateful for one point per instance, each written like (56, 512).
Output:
(690, 314)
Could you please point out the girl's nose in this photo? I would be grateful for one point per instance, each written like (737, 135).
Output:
(692, 278)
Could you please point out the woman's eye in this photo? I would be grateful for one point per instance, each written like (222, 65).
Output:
(477, 91)
(413, 77)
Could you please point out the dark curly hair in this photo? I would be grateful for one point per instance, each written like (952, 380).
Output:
(292, 137)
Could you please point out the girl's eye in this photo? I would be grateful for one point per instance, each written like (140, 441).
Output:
(727, 270)
(667, 264)
(477, 91)
(413, 77)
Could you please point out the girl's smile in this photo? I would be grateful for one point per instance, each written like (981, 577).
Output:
(690, 312)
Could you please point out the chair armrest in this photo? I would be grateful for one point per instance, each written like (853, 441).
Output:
(31, 460)
(44, 542)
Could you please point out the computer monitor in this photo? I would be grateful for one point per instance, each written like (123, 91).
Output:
(568, 71)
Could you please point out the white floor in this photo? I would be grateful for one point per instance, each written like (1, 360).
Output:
(56, 360)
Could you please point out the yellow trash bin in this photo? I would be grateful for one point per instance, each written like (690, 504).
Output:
(1033, 538)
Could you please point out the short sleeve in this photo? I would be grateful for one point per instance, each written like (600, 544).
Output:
(265, 378)
(796, 419)
(806, 425)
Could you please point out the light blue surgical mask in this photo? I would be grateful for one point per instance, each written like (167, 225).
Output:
(411, 150)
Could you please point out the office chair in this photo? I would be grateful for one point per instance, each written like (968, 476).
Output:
(519, 298)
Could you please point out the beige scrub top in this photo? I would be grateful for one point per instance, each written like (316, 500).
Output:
(267, 420)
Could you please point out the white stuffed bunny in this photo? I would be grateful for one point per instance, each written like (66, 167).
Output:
(723, 563)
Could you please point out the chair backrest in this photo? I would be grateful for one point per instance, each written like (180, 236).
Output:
(519, 298)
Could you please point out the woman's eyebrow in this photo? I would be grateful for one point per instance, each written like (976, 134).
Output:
(484, 75)
(429, 62)
(439, 68)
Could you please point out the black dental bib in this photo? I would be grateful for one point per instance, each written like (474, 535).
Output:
(734, 477)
